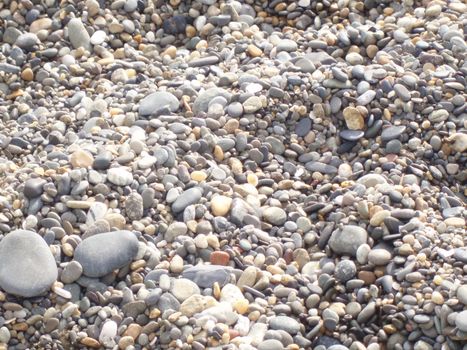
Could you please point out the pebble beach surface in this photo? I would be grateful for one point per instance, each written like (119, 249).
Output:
(251, 175)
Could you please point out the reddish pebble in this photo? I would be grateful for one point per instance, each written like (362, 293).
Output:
(220, 258)
(233, 333)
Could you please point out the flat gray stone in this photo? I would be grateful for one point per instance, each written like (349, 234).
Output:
(271, 344)
(27, 266)
(392, 132)
(102, 253)
(157, 101)
(188, 197)
(285, 323)
(206, 275)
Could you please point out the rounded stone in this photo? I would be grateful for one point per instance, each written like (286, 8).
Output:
(220, 205)
(347, 240)
(81, 159)
(104, 252)
(157, 101)
(285, 323)
(219, 258)
(78, 35)
(461, 321)
(345, 270)
(71, 272)
(462, 294)
(119, 176)
(27, 266)
(275, 215)
(188, 197)
(379, 257)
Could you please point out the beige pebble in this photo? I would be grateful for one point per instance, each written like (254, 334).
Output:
(27, 74)
(254, 51)
(81, 159)
(353, 118)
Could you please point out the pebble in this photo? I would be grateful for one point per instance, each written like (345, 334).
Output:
(271, 174)
(27, 266)
(348, 239)
(158, 101)
(461, 321)
(78, 35)
(285, 323)
(102, 253)
(345, 270)
(119, 177)
(275, 216)
(188, 197)
(353, 118)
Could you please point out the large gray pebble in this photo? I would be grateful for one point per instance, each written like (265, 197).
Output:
(105, 252)
(190, 196)
(347, 240)
(27, 266)
(157, 101)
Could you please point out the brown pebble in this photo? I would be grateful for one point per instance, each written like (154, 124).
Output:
(367, 276)
(133, 330)
(27, 74)
(90, 342)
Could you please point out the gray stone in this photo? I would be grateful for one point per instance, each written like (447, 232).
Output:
(379, 257)
(201, 103)
(157, 101)
(183, 288)
(134, 206)
(78, 35)
(206, 275)
(285, 323)
(27, 266)
(345, 270)
(366, 97)
(9, 68)
(347, 240)
(34, 187)
(351, 135)
(72, 272)
(462, 294)
(168, 302)
(402, 92)
(287, 45)
(119, 176)
(188, 197)
(27, 40)
(10, 35)
(461, 321)
(275, 215)
(271, 344)
(392, 132)
(321, 167)
(102, 253)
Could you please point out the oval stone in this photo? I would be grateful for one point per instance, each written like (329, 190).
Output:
(27, 266)
(105, 252)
